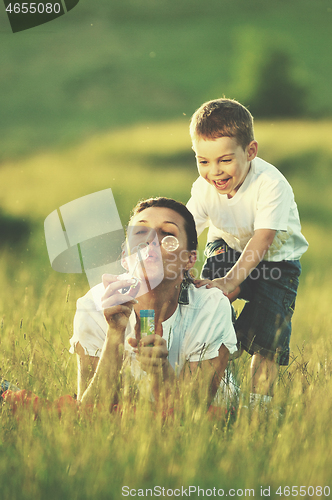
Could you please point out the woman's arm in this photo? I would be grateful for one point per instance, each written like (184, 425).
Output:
(209, 345)
(203, 377)
(117, 307)
(86, 367)
(104, 385)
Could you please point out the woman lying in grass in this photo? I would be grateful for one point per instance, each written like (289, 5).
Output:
(193, 329)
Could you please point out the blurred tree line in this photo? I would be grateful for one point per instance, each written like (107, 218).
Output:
(276, 93)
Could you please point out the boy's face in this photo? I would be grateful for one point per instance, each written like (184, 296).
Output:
(223, 163)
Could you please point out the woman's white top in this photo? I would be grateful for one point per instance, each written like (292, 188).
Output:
(194, 332)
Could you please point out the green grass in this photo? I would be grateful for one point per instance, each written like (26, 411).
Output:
(78, 457)
(81, 457)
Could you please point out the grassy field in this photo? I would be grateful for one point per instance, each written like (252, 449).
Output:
(79, 457)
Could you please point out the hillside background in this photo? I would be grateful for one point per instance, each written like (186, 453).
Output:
(102, 97)
(107, 64)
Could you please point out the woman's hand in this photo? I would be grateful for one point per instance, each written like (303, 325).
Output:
(152, 355)
(118, 306)
(151, 352)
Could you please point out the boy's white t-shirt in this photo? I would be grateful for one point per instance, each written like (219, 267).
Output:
(264, 201)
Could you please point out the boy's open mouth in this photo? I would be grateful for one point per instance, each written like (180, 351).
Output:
(222, 183)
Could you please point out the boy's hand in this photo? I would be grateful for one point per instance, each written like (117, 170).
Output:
(199, 283)
(221, 283)
(253, 253)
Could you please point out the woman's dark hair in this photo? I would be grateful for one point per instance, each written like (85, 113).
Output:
(177, 206)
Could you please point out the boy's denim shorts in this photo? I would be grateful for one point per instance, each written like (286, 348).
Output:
(264, 324)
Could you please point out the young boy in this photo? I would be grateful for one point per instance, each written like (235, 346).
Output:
(254, 238)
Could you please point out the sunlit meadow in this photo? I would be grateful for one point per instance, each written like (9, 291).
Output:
(81, 456)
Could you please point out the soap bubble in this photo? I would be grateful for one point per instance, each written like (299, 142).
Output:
(170, 243)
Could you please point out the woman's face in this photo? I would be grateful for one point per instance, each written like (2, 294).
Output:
(145, 235)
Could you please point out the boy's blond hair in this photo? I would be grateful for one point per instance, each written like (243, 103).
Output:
(223, 118)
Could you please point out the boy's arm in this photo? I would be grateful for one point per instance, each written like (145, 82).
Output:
(253, 253)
